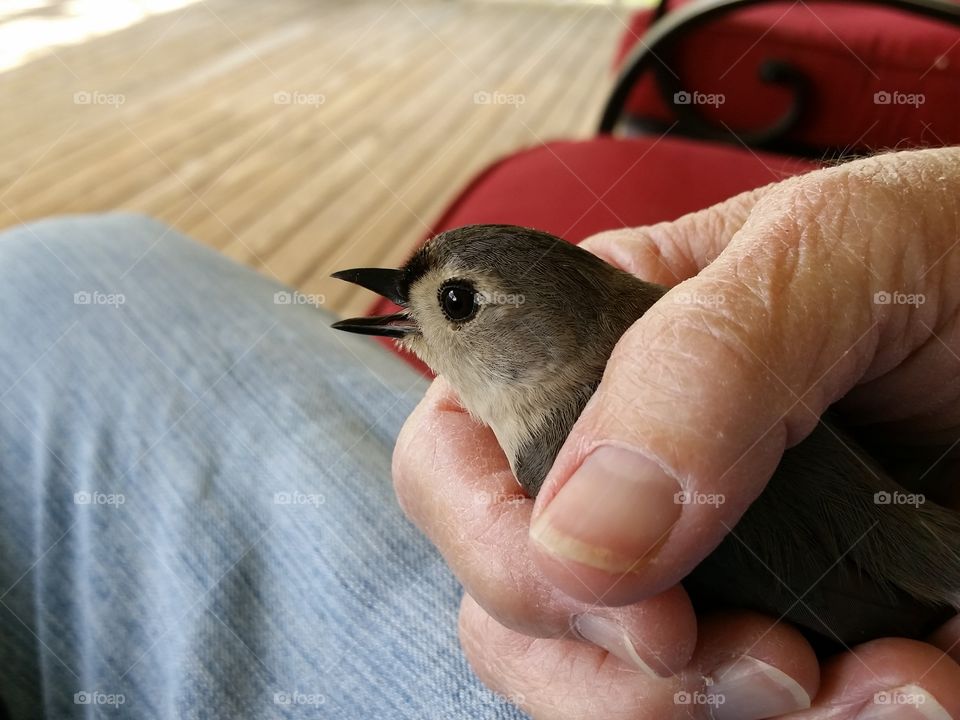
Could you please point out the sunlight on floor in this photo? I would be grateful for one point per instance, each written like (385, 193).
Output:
(630, 4)
(28, 28)
(210, 118)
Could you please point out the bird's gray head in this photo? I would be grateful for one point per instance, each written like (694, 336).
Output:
(520, 322)
(495, 304)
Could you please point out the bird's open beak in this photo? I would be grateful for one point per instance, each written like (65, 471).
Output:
(384, 282)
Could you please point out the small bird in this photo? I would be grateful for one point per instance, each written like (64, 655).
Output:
(522, 323)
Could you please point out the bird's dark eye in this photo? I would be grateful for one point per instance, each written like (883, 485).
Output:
(458, 300)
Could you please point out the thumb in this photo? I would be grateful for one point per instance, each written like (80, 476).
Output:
(703, 394)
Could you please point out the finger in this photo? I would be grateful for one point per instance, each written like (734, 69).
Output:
(755, 666)
(702, 395)
(746, 667)
(670, 252)
(453, 481)
(889, 679)
(918, 402)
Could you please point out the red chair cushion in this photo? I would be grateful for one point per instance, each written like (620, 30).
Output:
(577, 189)
(880, 77)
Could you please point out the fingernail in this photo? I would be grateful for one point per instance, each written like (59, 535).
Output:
(908, 702)
(750, 689)
(614, 510)
(614, 639)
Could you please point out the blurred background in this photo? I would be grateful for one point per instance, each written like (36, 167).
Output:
(296, 136)
(305, 136)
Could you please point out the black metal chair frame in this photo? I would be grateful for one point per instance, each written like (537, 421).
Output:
(652, 53)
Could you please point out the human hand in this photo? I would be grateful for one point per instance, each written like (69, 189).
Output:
(797, 266)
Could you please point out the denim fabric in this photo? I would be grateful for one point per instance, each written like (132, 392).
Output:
(196, 518)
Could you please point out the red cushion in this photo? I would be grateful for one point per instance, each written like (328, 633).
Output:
(855, 56)
(576, 189)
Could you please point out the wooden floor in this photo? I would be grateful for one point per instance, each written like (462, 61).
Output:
(298, 136)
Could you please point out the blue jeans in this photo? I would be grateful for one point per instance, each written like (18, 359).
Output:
(197, 519)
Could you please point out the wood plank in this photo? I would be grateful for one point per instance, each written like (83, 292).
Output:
(299, 189)
(413, 123)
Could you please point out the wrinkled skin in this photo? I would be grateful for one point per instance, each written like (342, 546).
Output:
(798, 264)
